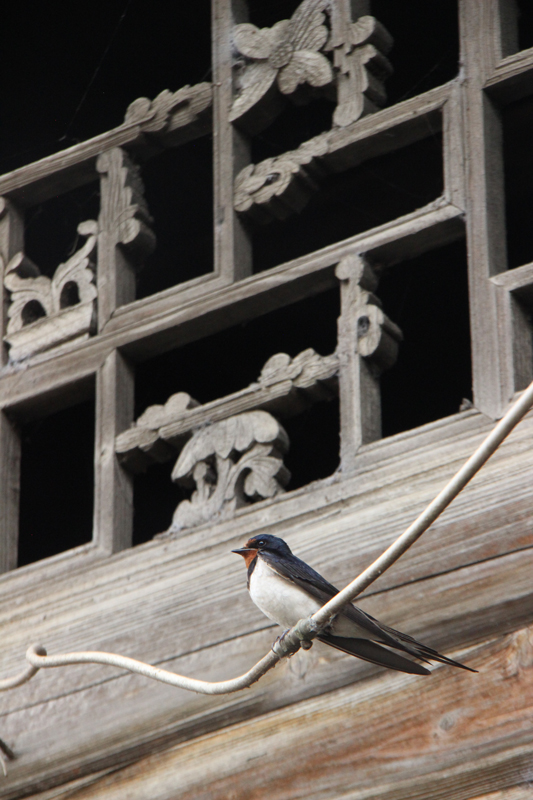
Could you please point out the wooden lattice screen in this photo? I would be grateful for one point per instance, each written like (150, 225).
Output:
(79, 333)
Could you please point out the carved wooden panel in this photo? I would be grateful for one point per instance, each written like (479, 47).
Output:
(231, 462)
(292, 54)
(44, 312)
(285, 386)
(472, 571)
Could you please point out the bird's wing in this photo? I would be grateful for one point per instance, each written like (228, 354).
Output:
(375, 653)
(301, 574)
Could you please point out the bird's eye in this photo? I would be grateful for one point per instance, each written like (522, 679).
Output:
(261, 543)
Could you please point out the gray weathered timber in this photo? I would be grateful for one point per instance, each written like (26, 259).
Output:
(113, 488)
(512, 78)
(298, 172)
(125, 234)
(11, 242)
(148, 602)
(491, 319)
(9, 493)
(344, 745)
(233, 258)
(76, 166)
(162, 324)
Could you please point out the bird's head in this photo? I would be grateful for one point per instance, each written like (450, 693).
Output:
(258, 544)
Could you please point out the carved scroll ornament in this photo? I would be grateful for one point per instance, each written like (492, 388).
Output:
(286, 386)
(174, 117)
(377, 337)
(48, 312)
(231, 463)
(278, 60)
(279, 187)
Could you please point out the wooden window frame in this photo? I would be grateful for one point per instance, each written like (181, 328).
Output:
(472, 205)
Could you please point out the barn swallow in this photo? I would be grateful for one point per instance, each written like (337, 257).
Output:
(287, 589)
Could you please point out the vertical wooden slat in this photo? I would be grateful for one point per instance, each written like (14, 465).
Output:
(233, 256)
(490, 312)
(9, 493)
(125, 237)
(453, 150)
(11, 242)
(113, 501)
(359, 395)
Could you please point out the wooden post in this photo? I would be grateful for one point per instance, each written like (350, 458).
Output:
(125, 237)
(233, 254)
(491, 314)
(367, 344)
(113, 501)
(11, 241)
(9, 494)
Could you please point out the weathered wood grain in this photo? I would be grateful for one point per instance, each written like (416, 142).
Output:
(512, 78)
(11, 242)
(150, 329)
(281, 186)
(125, 234)
(518, 280)
(113, 488)
(9, 493)
(148, 602)
(231, 151)
(490, 317)
(392, 738)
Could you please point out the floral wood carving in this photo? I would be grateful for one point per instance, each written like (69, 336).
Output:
(231, 463)
(48, 312)
(276, 61)
(286, 386)
(124, 214)
(174, 117)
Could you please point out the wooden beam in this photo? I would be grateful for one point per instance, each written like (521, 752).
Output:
(113, 501)
(149, 602)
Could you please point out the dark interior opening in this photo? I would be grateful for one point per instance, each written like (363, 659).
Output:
(56, 488)
(525, 24)
(295, 124)
(156, 498)
(353, 201)
(518, 170)
(76, 85)
(179, 192)
(230, 361)
(32, 311)
(426, 45)
(50, 231)
(428, 298)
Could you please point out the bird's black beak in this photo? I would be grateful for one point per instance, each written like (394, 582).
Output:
(243, 551)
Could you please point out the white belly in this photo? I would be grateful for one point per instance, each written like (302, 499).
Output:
(285, 603)
(279, 599)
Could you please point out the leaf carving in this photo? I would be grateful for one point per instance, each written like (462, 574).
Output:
(27, 286)
(228, 462)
